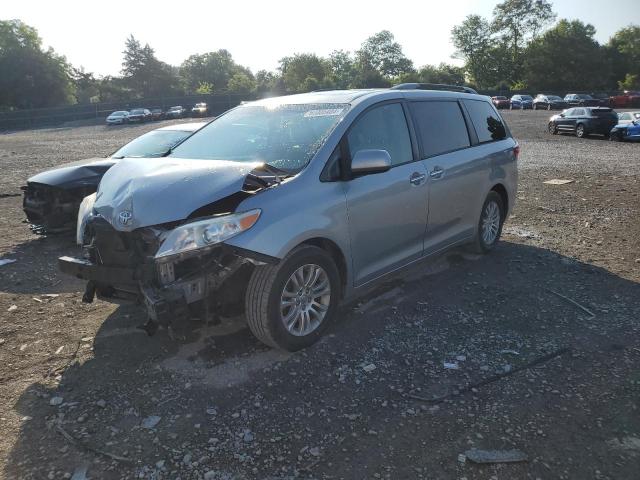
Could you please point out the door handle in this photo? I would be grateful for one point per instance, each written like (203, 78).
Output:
(417, 178)
(436, 172)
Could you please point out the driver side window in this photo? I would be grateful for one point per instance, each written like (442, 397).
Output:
(382, 128)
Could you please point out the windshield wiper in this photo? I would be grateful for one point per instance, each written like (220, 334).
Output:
(267, 175)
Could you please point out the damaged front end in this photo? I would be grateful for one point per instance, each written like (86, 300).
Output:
(176, 270)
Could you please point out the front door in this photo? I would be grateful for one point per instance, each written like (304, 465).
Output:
(387, 211)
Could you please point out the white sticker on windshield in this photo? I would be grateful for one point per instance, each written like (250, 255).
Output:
(326, 112)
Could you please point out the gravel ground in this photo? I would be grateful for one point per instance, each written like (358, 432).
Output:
(540, 340)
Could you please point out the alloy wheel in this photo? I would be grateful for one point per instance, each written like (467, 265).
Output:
(490, 222)
(305, 300)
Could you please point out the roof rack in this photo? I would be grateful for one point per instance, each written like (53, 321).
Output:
(433, 86)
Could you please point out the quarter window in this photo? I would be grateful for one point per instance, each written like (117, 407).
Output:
(487, 122)
(441, 127)
(578, 112)
(382, 128)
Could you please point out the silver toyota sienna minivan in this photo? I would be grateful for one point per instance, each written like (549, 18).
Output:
(284, 207)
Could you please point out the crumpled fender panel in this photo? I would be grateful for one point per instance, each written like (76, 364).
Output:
(76, 174)
(165, 190)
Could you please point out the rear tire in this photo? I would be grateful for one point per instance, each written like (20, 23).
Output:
(490, 223)
(270, 289)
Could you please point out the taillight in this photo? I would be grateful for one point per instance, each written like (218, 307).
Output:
(516, 151)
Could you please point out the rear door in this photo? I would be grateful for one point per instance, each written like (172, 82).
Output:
(387, 211)
(454, 170)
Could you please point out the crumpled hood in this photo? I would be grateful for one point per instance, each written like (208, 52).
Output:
(75, 174)
(137, 193)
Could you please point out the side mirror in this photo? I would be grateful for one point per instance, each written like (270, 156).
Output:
(562, 115)
(365, 162)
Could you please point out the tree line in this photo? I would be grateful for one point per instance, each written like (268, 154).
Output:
(521, 47)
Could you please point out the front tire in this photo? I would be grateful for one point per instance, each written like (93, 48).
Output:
(489, 229)
(580, 131)
(549, 107)
(615, 137)
(552, 128)
(289, 305)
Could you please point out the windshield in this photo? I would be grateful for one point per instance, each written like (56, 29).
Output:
(501, 98)
(152, 144)
(584, 97)
(554, 98)
(526, 97)
(173, 109)
(119, 114)
(283, 136)
(137, 111)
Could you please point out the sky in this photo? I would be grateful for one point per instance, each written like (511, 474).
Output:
(258, 33)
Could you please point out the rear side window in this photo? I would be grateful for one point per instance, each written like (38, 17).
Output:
(441, 127)
(382, 128)
(486, 121)
(578, 112)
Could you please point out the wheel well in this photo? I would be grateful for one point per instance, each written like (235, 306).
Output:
(500, 190)
(335, 252)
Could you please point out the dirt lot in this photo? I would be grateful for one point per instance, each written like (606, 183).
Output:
(84, 393)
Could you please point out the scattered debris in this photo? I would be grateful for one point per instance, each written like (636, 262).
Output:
(557, 181)
(495, 456)
(573, 302)
(461, 358)
(369, 368)
(508, 351)
(498, 376)
(59, 350)
(12, 308)
(451, 365)
(80, 473)
(89, 448)
(151, 421)
(521, 232)
(6, 261)
(101, 403)
(55, 401)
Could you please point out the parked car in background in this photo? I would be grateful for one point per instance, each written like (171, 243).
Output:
(548, 102)
(290, 237)
(580, 100)
(628, 117)
(175, 112)
(139, 115)
(157, 114)
(627, 99)
(118, 118)
(584, 121)
(602, 99)
(199, 110)
(501, 102)
(521, 102)
(52, 198)
(628, 131)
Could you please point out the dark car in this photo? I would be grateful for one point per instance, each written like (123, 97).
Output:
(157, 114)
(521, 102)
(602, 99)
(580, 100)
(501, 102)
(548, 102)
(139, 115)
(51, 198)
(626, 99)
(177, 111)
(584, 121)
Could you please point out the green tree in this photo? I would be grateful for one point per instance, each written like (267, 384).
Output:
(519, 21)
(86, 86)
(205, 88)
(268, 83)
(30, 76)
(566, 57)
(623, 51)
(343, 69)
(304, 71)
(216, 68)
(381, 53)
(486, 60)
(145, 75)
(241, 83)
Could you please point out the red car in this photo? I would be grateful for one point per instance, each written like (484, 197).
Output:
(501, 102)
(627, 99)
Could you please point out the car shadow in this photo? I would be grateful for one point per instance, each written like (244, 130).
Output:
(35, 269)
(215, 381)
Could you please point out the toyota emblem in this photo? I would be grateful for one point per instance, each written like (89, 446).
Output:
(125, 217)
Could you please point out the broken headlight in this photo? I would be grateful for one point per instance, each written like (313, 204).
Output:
(205, 233)
(86, 207)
